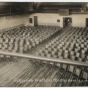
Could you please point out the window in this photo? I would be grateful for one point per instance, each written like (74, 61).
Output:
(30, 20)
(58, 20)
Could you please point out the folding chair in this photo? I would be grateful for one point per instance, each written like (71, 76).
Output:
(64, 66)
(54, 56)
(77, 71)
(0, 46)
(85, 75)
(71, 68)
(65, 56)
(48, 55)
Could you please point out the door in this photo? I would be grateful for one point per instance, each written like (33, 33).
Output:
(35, 21)
(67, 21)
(86, 22)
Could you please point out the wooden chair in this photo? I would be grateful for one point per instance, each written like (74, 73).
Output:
(10, 48)
(0, 46)
(65, 55)
(83, 56)
(71, 68)
(64, 66)
(83, 51)
(82, 45)
(3, 48)
(54, 56)
(59, 54)
(77, 54)
(48, 55)
(1, 40)
(72, 57)
(85, 75)
(42, 54)
(77, 71)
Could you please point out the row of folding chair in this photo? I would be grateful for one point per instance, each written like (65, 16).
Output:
(68, 45)
(23, 44)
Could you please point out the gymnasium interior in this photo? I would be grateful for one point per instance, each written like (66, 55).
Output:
(43, 44)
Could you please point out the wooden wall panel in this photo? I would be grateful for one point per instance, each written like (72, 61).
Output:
(63, 12)
(4, 9)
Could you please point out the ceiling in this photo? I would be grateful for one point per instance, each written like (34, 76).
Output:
(8, 8)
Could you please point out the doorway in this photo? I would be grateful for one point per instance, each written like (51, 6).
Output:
(86, 22)
(35, 21)
(67, 22)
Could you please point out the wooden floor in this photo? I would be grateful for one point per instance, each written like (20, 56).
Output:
(19, 72)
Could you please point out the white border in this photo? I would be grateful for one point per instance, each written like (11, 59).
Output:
(43, 0)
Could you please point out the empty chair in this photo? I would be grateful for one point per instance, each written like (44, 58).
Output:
(0, 46)
(77, 54)
(82, 45)
(1, 40)
(66, 56)
(55, 49)
(29, 47)
(64, 47)
(85, 49)
(60, 50)
(85, 43)
(7, 56)
(83, 56)
(60, 45)
(11, 40)
(50, 49)
(42, 54)
(87, 57)
(6, 46)
(72, 53)
(83, 52)
(87, 46)
(70, 49)
(71, 46)
(58, 64)
(82, 41)
(6, 40)
(47, 46)
(33, 43)
(46, 51)
(76, 49)
(50, 43)
(66, 51)
(67, 43)
(77, 44)
(37, 53)
(15, 49)
(3, 48)
(72, 57)
(21, 49)
(71, 68)
(63, 43)
(21, 44)
(10, 48)
(37, 42)
(77, 72)
(53, 53)
(59, 54)
(54, 56)
(25, 48)
(85, 75)
(2, 56)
